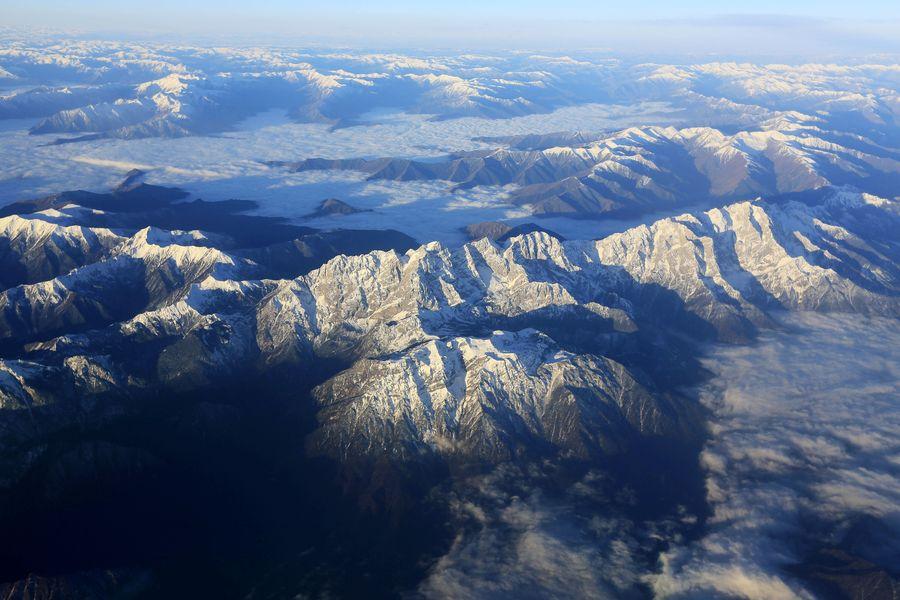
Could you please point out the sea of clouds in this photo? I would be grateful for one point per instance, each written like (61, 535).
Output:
(805, 443)
(231, 165)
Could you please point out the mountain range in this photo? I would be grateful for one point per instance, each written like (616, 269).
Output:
(464, 331)
(292, 396)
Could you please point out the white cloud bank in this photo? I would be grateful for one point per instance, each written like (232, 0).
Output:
(805, 441)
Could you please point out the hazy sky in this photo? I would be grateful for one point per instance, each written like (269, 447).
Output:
(761, 26)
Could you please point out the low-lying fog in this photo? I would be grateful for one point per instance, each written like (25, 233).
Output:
(229, 166)
(804, 453)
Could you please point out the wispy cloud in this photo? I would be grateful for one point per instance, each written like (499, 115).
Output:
(516, 541)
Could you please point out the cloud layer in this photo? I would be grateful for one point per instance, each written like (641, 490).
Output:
(228, 166)
(805, 442)
(517, 541)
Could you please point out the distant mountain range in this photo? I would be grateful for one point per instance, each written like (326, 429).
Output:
(137, 91)
(647, 169)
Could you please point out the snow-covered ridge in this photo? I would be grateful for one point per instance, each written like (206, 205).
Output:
(645, 168)
(36, 249)
(113, 277)
(475, 396)
(422, 322)
(727, 266)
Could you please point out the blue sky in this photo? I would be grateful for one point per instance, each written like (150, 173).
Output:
(701, 26)
(593, 9)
